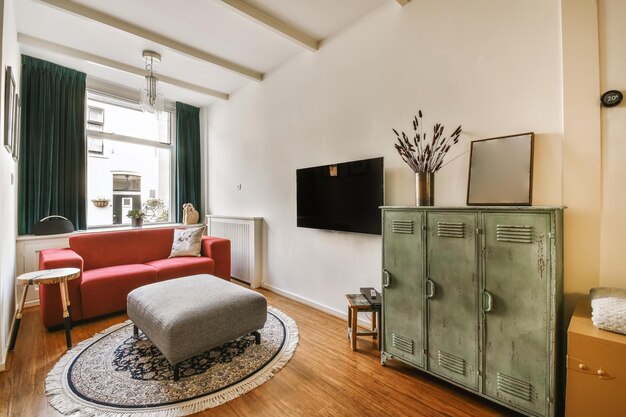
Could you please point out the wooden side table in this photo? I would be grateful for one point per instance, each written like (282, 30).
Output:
(46, 277)
(357, 303)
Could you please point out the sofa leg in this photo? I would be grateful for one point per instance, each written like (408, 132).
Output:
(135, 330)
(177, 372)
(257, 337)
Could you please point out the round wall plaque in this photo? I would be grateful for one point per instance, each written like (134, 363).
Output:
(611, 98)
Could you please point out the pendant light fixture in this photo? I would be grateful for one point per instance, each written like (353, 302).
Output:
(151, 102)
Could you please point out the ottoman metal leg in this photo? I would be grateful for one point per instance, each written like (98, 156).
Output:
(177, 372)
(135, 330)
(257, 337)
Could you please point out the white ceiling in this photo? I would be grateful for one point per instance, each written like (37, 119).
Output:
(207, 25)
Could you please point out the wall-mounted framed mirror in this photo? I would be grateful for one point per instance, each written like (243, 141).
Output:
(501, 171)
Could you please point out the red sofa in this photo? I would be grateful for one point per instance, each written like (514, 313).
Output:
(113, 264)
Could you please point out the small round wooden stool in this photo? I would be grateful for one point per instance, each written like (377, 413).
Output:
(45, 277)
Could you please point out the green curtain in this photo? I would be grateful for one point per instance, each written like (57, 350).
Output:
(52, 172)
(187, 158)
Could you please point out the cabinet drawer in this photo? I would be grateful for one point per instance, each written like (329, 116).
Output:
(596, 378)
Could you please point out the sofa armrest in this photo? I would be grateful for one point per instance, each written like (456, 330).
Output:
(218, 249)
(60, 258)
(50, 296)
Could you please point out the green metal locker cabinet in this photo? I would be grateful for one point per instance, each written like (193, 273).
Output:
(452, 296)
(516, 309)
(403, 286)
(474, 296)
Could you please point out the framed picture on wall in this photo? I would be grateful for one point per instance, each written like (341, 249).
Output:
(501, 171)
(16, 128)
(9, 109)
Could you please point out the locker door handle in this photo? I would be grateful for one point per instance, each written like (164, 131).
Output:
(430, 288)
(386, 279)
(487, 301)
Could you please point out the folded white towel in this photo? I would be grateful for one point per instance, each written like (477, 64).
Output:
(608, 308)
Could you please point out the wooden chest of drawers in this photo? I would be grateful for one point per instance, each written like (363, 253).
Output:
(596, 368)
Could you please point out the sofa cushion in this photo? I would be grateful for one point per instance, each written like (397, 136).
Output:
(104, 290)
(187, 242)
(182, 266)
(100, 250)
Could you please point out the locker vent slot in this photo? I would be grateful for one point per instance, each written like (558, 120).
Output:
(516, 387)
(402, 226)
(451, 362)
(404, 344)
(514, 233)
(451, 229)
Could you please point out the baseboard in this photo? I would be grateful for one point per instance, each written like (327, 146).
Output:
(5, 366)
(5, 353)
(321, 307)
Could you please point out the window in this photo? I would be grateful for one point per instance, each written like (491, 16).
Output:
(129, 162)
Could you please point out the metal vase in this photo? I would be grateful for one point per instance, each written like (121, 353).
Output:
(137, 222)
(425, 188)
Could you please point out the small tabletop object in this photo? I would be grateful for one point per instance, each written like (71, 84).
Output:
(46, 277)
(357, 303)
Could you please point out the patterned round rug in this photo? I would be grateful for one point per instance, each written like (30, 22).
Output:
(114, 374)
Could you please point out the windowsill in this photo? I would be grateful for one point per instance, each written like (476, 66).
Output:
(103, 229)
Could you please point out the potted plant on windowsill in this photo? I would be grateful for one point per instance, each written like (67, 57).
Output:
(136, 217)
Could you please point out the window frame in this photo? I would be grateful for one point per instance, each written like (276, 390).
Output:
(108, 98)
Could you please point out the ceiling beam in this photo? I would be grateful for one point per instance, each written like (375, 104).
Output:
(86, 56)
(403, 2)
(273, 23)
(91, 14)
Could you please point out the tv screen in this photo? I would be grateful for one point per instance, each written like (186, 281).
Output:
(344, 196)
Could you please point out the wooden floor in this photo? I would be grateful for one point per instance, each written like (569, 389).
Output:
(324, 377)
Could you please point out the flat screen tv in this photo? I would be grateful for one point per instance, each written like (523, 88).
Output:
(344, 196)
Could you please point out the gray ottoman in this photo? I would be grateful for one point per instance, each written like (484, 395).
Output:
(187, 316)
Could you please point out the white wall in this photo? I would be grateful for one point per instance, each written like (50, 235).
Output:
(492, 66)
(582, 159)
(612, 15)
(8, 185)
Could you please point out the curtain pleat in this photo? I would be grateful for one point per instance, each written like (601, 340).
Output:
(52, 168)
(187, 158)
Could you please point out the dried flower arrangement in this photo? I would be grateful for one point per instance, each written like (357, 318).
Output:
(421, 155)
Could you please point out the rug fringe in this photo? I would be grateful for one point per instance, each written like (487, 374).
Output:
(71, 407)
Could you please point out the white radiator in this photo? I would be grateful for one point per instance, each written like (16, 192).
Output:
(244, 234)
